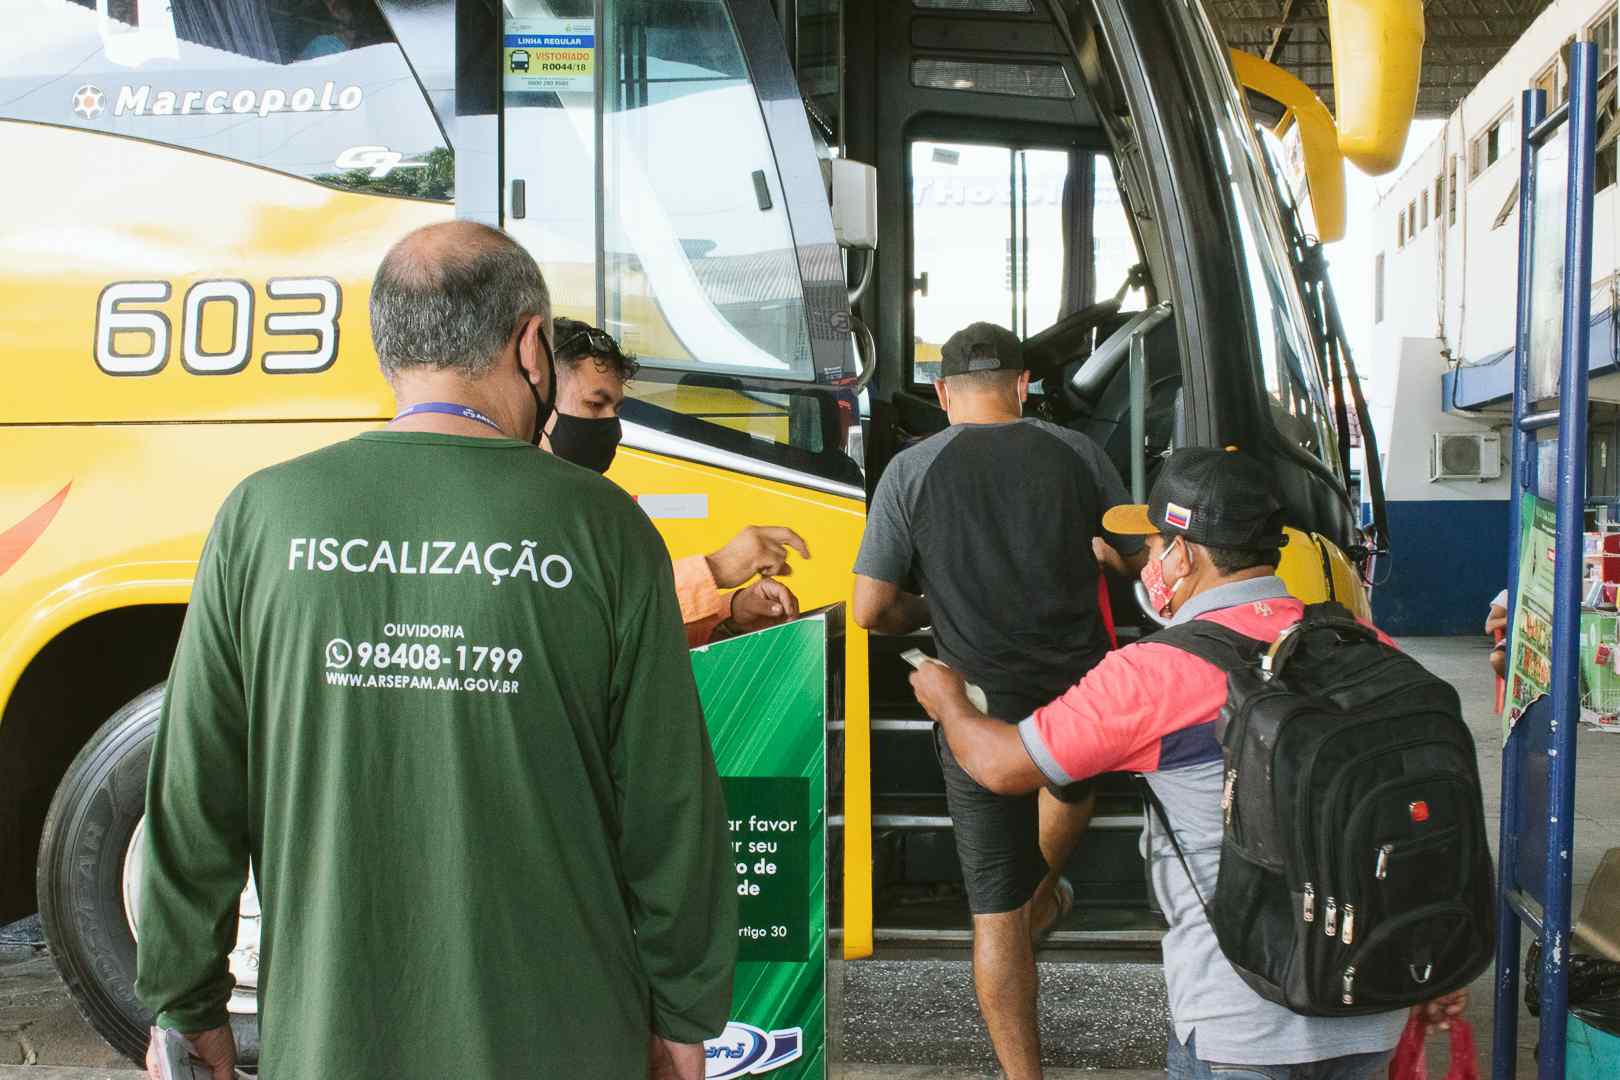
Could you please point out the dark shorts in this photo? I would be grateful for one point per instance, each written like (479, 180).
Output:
(998, 837)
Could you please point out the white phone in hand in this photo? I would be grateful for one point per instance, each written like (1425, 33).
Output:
(917, 658)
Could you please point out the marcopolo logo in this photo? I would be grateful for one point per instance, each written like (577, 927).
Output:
(745, 1050)
(379, 159)
(89, 101)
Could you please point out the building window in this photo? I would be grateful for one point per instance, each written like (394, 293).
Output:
(1547, 79)
(1423, 219)
(1439, 197)
(1608, 127)
(1554, 81)
(1489, 145)
(1451, 194)
(1378, 288)
(1400, 229)
(1411, 219)
(1602, 33)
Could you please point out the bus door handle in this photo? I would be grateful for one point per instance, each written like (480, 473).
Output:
(1131, 339)
(866, 346)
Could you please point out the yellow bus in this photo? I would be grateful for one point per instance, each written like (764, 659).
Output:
(198, 192)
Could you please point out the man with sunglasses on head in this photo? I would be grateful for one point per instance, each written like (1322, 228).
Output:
(430, 686)
(592, 372)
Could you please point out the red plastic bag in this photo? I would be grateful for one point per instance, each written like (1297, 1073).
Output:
(1409, 1062)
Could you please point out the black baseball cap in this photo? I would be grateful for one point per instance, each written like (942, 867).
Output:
(981, 346)
(1221, 498)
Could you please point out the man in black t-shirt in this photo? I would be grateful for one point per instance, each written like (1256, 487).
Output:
(994, 519)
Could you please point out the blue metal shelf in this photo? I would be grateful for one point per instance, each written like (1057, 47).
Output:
(1538, 760)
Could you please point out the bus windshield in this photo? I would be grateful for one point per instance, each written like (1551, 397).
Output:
(1289, 368)
(699, 262)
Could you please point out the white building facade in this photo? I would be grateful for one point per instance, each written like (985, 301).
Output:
(1444, 310)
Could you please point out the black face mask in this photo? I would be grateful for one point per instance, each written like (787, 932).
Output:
(542, 406)
(587, 441)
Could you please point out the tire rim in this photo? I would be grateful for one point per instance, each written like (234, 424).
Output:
(244, 959)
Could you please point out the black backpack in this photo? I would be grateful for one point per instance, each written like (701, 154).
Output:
(1354, 874)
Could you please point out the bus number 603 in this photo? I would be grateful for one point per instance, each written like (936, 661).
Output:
(118, 317)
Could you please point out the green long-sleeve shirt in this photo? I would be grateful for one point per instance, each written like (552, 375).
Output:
(437, 688)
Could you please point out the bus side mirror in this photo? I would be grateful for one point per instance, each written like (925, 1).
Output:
(1377, 59)
(1319, 139)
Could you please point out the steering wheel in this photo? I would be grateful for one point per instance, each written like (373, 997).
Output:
(1051, 351)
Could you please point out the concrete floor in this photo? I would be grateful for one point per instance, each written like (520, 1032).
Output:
(39, 1024)
(911, 1019)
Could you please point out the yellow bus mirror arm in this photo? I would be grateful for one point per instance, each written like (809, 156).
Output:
(1377, 61)
(1318, 137)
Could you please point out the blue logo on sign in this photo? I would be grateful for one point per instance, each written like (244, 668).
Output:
(745, 1050)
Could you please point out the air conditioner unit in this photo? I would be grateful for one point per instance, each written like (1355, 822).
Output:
(1465, 457)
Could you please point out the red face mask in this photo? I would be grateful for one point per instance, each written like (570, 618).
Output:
(1160, 592)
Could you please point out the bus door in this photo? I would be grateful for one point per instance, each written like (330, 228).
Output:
(1084, 173)
(658, 160)
(1001, 202)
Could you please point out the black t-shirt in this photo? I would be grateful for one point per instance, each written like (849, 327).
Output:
(993, 522)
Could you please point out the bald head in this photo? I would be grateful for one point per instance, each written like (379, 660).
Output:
(450, 296)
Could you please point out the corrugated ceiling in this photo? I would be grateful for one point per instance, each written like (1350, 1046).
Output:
(1465, 40)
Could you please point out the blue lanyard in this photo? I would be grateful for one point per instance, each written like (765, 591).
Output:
(448, 408)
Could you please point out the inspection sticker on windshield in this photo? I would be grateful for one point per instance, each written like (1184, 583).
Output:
(549, 54)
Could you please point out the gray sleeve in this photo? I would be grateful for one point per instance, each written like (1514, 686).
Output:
(1109, 485)
(886, 547)
(1030, 735)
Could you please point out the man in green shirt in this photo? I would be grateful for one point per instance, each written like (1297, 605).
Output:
(433, 684)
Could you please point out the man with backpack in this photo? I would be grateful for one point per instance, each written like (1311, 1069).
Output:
(1263, 972)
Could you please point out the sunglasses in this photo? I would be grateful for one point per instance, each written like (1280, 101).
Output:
(599, 342)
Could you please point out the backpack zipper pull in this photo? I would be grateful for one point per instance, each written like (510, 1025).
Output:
(1381, 870)
(1348, 997)
(1226, 795)
(1310, 902)
(1330, 918)
(1349, 924)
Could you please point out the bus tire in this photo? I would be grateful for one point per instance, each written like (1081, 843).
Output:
(80, 875)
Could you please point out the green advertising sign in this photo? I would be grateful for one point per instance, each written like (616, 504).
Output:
(1530, 643)
(765, 696)
(1529, 674)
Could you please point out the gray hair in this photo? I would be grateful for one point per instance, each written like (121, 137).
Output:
(450, 296)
